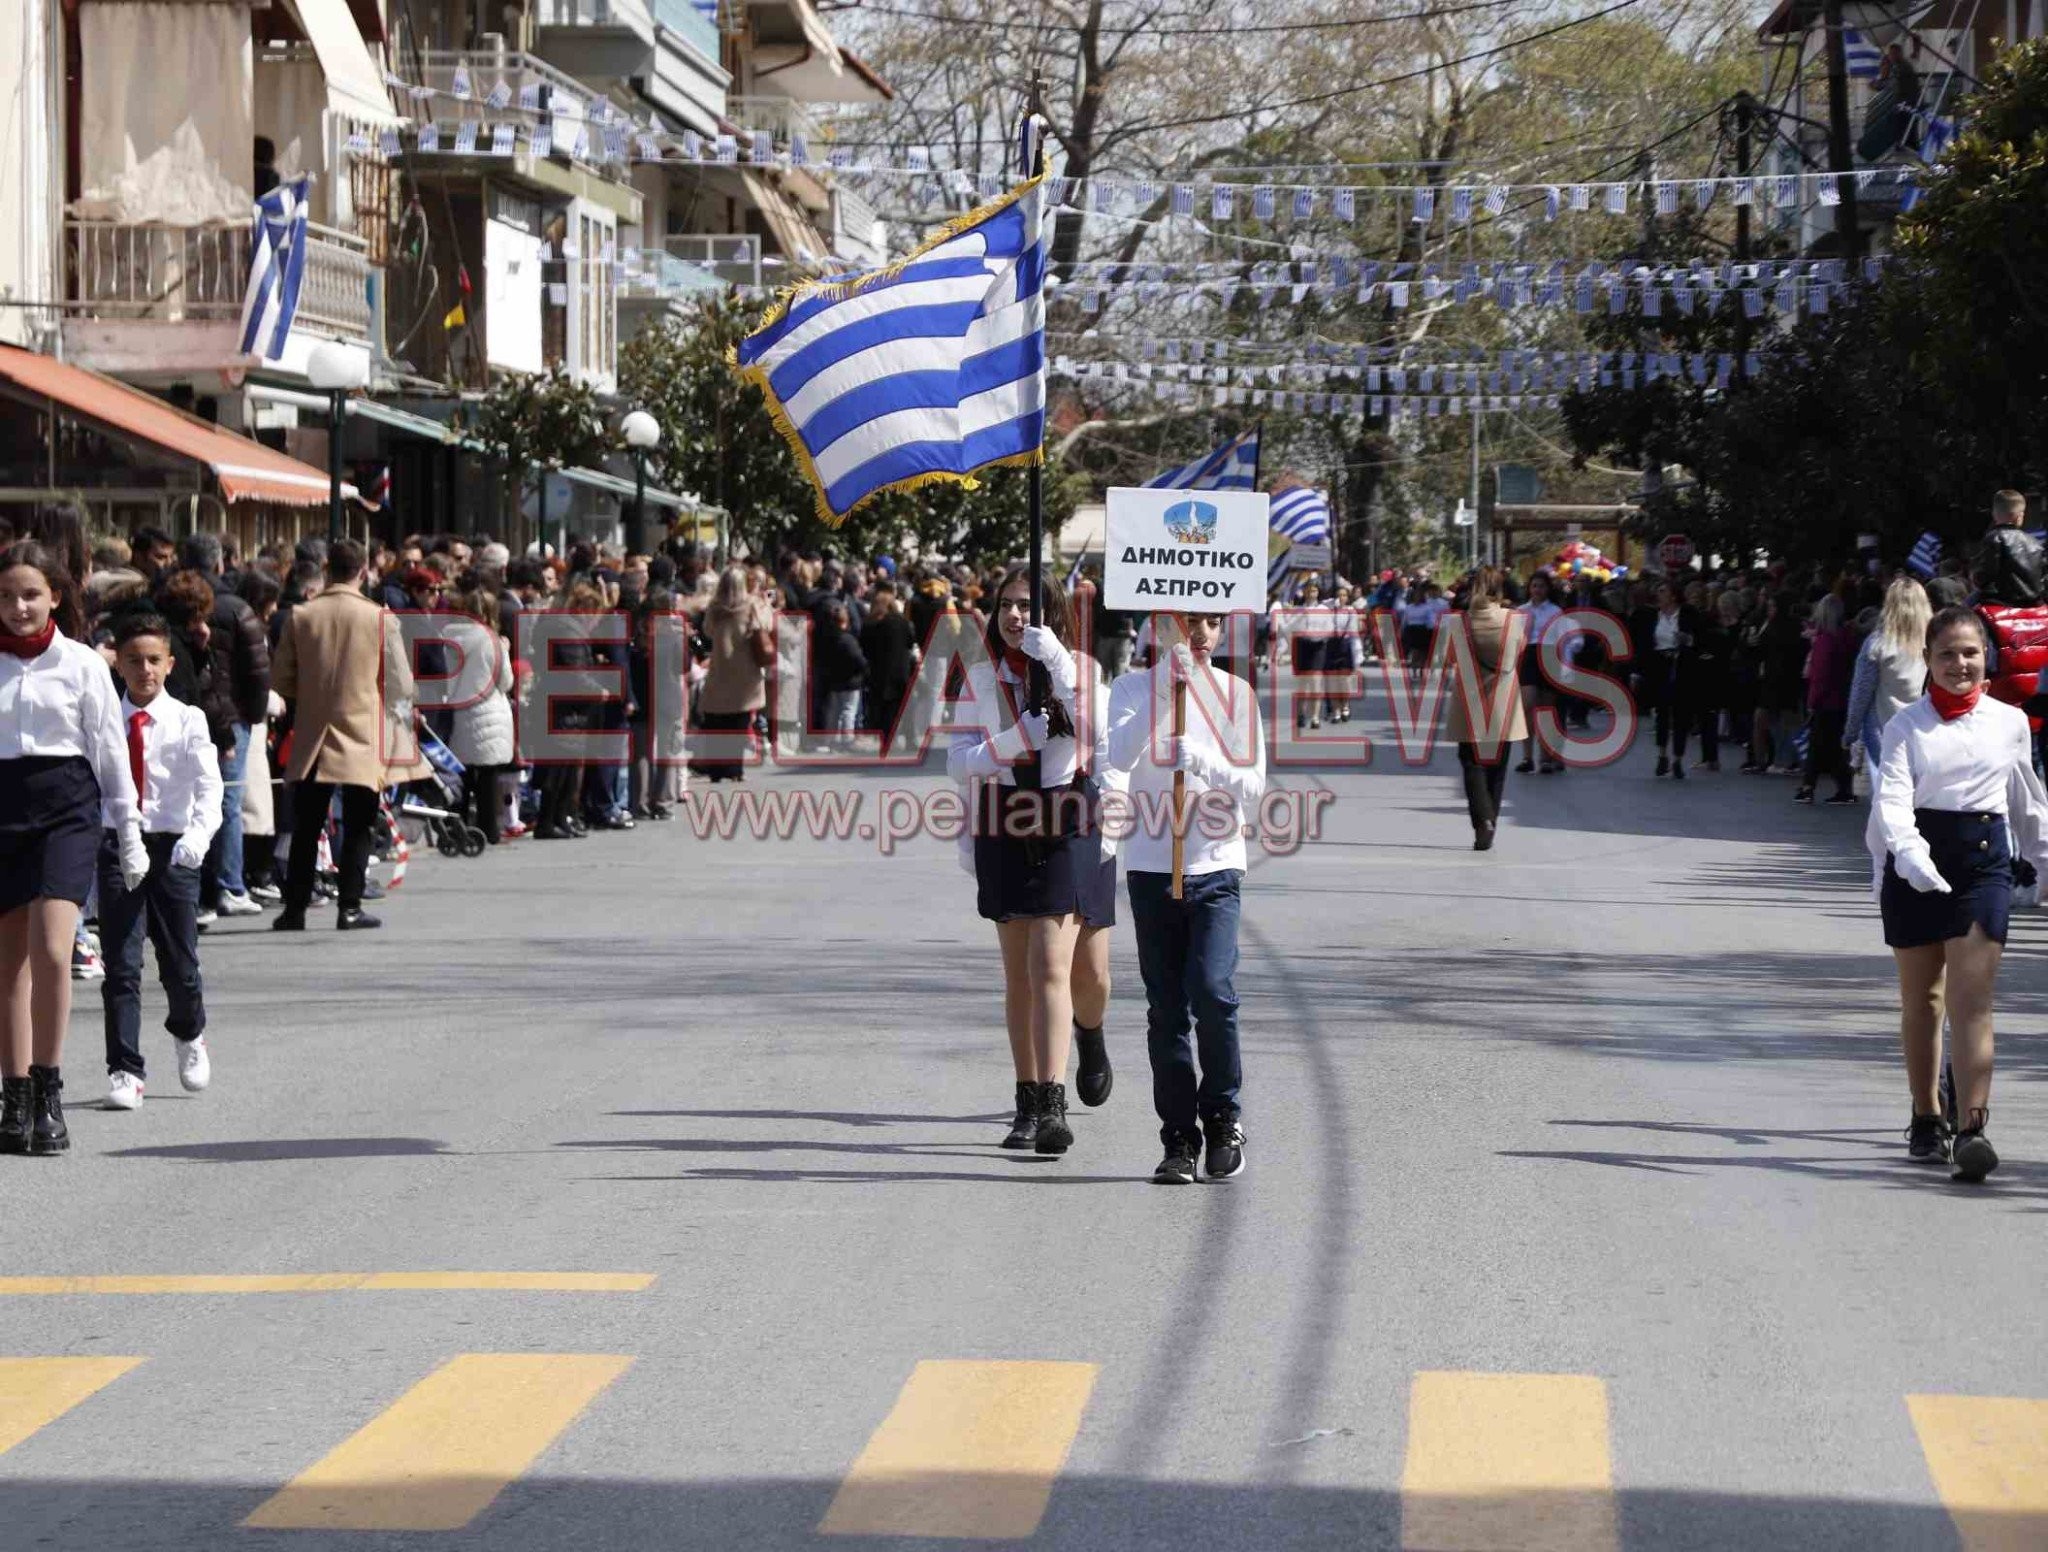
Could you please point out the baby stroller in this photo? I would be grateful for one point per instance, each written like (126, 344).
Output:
(433, 805)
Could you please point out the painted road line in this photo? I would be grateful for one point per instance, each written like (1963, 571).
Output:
(436, 1457)
(1507, 1463)
(1988, 1456)
(38, 1391)
(340, 1282)
(969, 1450)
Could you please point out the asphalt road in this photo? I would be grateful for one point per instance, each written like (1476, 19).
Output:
(1577, 1217)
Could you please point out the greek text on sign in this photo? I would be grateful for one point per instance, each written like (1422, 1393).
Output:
(1198, 552)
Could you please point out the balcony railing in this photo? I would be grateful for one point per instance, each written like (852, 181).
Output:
(148, 270)
(735, 259)
(545, 89)
(856, 216)
(152, 270)
(783, 117)
(669, 276)
(690, 22)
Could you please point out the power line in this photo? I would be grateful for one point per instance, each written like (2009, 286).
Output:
(1144, 127)
(1158, 28)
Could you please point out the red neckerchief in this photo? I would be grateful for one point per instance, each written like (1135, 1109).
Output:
(1015, 660)
(1952, 705)
(30, 646)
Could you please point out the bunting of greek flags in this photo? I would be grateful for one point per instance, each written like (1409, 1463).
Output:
(277, 264)
(1233, 466)
(926, 370)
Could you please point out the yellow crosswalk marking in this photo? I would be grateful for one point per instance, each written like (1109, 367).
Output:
(36, 1391)
(969, 1450)
(438, 1455)
(340, 1282)
(1507, 1463)
(1988, 1456)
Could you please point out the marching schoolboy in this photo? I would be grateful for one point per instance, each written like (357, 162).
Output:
(1187, 948)
(177, 776)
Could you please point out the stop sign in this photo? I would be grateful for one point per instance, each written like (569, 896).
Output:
(1675, 552)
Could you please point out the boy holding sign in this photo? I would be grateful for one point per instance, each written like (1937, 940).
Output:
(1189, 735)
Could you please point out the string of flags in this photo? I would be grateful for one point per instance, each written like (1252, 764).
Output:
(594, 129)
(1516, 373)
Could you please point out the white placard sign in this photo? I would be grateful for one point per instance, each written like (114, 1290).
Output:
(1191, 551)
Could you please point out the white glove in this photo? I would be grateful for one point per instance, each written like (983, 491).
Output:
(1041, 643)
(1190, 757)
(274, 704)
(134, 857)
(1017, 740)
(186, 855)
(1917, 869)
(1182, 660)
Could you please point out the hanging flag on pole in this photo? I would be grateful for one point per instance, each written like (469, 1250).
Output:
(277, 263)
(1299, 514)
(1233, 466)
(929, 369)
(1926, 557)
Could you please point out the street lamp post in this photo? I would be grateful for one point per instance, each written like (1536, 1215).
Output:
(336, 370)
(642, 432)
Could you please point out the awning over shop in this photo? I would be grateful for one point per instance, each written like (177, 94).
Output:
(355, 86)
(612, 485)
(799, 241)
(244, 470)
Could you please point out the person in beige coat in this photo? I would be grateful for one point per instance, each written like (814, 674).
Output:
(340, 663)
(1496, 647)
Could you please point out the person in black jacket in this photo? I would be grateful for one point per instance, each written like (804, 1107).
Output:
(241, 652)
(1665, 638)
(891, 652)
(842, 671)
(2007, 566)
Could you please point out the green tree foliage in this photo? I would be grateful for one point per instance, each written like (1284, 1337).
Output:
(719, 442)
(543, 422)
(1904, 406)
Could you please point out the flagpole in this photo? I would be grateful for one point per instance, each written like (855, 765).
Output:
(1030, 157)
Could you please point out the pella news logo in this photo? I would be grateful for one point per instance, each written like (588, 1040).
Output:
(1191, 522)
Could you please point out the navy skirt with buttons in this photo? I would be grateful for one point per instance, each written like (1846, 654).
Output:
(1973, 856)
(49, 829)
(1037, 857)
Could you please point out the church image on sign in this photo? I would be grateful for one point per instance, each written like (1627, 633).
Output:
(1191, 522)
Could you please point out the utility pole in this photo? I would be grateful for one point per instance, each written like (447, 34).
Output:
(1840, 163)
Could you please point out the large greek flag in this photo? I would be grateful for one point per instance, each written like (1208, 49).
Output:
(927, 370)
(1233, 466)
(277, 263)
(1301, 515)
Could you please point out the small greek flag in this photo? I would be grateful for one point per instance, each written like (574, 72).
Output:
(1864, 56)
(1926, 557)
(927, 370)
(1233, 466)
(277, 264)
(1301, 515)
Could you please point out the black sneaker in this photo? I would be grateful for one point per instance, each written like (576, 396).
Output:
(47, 1131)
(1054, 1135)
(1093, 1077)
(1226, 1148)
(1973, 1154)
(1841, 800)
(14, 1123)
(1927, 1140)
(1678, 770)
(1024, 1125)
(1803, 795)
(1178, 1167)
(1663, 765)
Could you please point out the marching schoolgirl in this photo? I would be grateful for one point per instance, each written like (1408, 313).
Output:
(64, 773)
(1038, 863)
(1955, 786)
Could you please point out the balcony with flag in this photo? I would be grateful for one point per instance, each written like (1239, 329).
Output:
(157, 237)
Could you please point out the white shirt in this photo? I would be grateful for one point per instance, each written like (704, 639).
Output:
(181, 787)
(1539, 617)
(1237, 773)
(1979, 763)
(993, 711)
(1667, 631)
(61, 704)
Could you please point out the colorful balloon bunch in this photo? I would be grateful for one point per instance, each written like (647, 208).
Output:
(1580, 559)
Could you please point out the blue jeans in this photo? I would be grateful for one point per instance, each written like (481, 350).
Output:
(606, 790)
(166, 908)
(227, 841)
(1187, 954)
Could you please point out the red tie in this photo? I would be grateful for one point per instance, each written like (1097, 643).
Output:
(137, 721)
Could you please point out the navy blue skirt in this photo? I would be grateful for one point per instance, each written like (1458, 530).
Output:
(1040, 854)
(1973, 856)
(49, 829)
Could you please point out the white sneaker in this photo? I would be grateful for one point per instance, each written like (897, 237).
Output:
(195, 1070)
(238, 905)
(86, 964)
(208, 918)
(124, 1091)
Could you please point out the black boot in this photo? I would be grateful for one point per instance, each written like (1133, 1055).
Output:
(14, 1124)
(1024, 1128)
(1054, 1135)
(1092, 1081)
(47, 1132)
